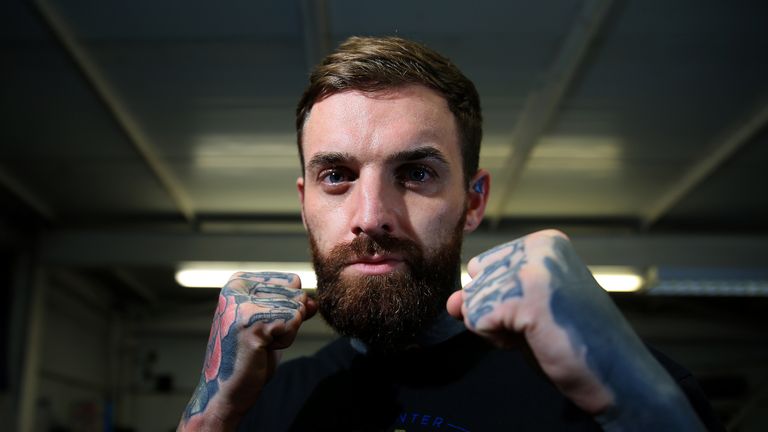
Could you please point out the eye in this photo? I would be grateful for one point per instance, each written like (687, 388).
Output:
(415, 174)
(418, 174)
(335, 176)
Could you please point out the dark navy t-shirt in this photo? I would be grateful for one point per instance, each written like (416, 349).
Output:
(462, 384)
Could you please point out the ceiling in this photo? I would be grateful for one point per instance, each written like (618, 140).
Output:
(140, 134)
(648, 114)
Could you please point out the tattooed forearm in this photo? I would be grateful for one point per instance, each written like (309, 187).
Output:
(200, 398)
(645, 397)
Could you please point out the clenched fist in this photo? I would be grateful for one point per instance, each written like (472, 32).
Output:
(257, 314)
(536, 288)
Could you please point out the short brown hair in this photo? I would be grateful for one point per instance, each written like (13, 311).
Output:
(372, 64)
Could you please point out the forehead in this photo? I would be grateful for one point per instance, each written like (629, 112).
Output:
(372, 125)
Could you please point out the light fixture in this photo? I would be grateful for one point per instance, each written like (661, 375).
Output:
(617, 278)
(215, 275)
(619, 282)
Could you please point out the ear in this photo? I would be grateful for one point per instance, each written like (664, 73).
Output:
(477, 198)
(300, 188)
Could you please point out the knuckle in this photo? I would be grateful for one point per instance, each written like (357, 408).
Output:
(553, 233)
(295, 305)
(549, 238)
(230, 288)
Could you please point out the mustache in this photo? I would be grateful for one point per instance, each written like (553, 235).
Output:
(366, 245)
(382, 244)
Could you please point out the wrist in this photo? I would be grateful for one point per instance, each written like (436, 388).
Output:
(215, 417)
(661, 407)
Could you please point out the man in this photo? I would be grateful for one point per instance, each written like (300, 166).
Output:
(389, 137)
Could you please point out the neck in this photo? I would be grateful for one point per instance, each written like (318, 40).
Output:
(443, 328)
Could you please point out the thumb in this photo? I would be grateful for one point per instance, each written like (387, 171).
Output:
(310, 308)
(455, 301)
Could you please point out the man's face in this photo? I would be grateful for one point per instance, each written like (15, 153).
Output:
(384, 196)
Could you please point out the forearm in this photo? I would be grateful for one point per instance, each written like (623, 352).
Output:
(211, 417)
(220, 404)
(207, 423)
(646, 398)
(672, 414)
(642, 395)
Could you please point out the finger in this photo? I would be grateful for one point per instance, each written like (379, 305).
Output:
(308, 305)
(274, 303)
(290, 280)
(280, 336)
(505, 339)
(477, 263)
(287, 285)
(275, 327)
(473, 267)
(454, 304)
(310, 308)
(282, 332)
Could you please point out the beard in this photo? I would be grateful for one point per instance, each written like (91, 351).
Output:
(387, 311)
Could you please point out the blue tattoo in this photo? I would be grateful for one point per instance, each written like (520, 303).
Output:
(268, 317)
(220, 363)
(266, 302)
(595, 327)
(266, 288)
(202, 395)
(269, 276)
(228, 355)
(498, 282)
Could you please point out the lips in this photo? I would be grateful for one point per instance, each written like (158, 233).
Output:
(376, 264)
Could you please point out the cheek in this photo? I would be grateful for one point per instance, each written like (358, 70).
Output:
(438, 223)
(326, 223)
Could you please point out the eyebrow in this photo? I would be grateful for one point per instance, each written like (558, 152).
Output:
(420, 153)
(324, 159)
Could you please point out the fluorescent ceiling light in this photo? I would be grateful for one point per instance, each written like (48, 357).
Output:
(619, 282)
(617, 278)
(215, 275)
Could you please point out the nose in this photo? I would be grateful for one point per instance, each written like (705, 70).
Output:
(374, 206)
